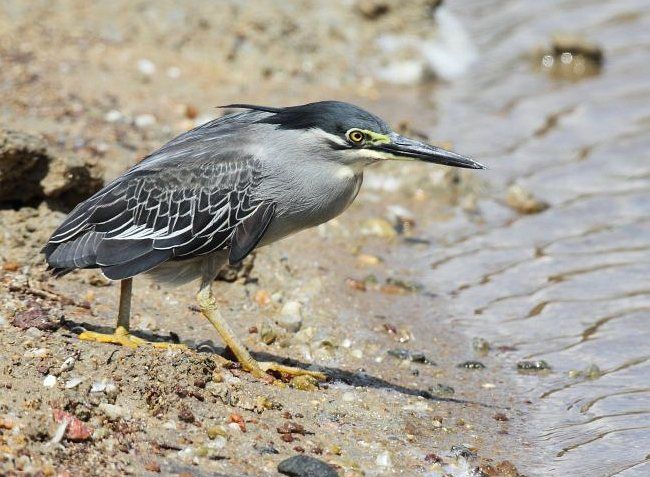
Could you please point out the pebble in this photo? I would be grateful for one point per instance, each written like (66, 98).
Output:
(461, 451)
(70, 426)
(36, 353)
(405, 354)
(539, 365)
(384, 459)
(377, 227)
(145, 120)
(523, 201)
(112, 411)
(480, 345)
(113, 116)
(104, 386)
(49, 381)
(268, 333)
(146, 67)
(306, 466)
(262, 297)
(472, 365)
(68, 364)
(290, 316)
(216, 431)
(73, 383)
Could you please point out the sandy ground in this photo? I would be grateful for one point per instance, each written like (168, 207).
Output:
(105, 88)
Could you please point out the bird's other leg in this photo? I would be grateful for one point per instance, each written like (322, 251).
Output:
(258, 369)
(122, 335)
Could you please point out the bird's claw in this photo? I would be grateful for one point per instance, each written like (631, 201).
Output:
(121, 336)
(266, 366)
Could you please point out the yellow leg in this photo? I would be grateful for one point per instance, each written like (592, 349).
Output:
(121, 335)
(258, 369)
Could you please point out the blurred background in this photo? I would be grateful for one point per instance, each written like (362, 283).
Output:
(545, 255)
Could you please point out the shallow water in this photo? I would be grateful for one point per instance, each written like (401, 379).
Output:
(570, 285)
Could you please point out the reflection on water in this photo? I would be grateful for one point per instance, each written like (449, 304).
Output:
(570, 285)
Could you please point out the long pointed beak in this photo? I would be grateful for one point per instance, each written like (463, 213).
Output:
(402, 147)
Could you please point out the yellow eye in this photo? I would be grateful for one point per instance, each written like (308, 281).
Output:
(355, 136)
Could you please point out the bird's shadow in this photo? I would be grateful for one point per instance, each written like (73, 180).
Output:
(357, 378)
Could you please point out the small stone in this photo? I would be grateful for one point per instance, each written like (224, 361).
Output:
(238, 421)
(291, 427)
(36, 353)
(408, 355)
(152, 466)
(112, 411)
(538, 365)
(145, 120)
(49, 381)
(113, 116)
(75, 430)
(186, 415)
(268, 333)
(523, 201)
(304, 382)
(36, 317)
(480, 345)
(461, 451)
(306, 466)
(146, 67)
(384, 459)
(216, 431)
(73, 383)
(472, 365)
(262, 297)
(68, 364)
(500, 416)
(290, 316)
(368, 260)
(377, 227)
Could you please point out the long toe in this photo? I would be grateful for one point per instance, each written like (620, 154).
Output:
(290, 370)
(118, 338)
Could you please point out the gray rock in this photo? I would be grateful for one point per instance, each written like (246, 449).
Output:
(306, 466)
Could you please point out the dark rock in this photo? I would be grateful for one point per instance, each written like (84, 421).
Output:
(414, 356)
(306, 466)
(461, 451)
(539, 365)
(35, 317)
(472, 365)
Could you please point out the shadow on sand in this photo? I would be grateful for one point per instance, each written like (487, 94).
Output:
(357, 378)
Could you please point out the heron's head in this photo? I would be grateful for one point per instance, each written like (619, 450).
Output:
(351, 135)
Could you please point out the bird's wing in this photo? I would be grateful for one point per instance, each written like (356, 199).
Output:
(179, 209)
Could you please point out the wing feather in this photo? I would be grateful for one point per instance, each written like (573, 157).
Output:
(183, 201)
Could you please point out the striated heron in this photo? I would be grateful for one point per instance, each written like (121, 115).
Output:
(215, 193)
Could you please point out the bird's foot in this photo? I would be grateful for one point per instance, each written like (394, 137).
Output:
(121, 336)
(266, 366)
